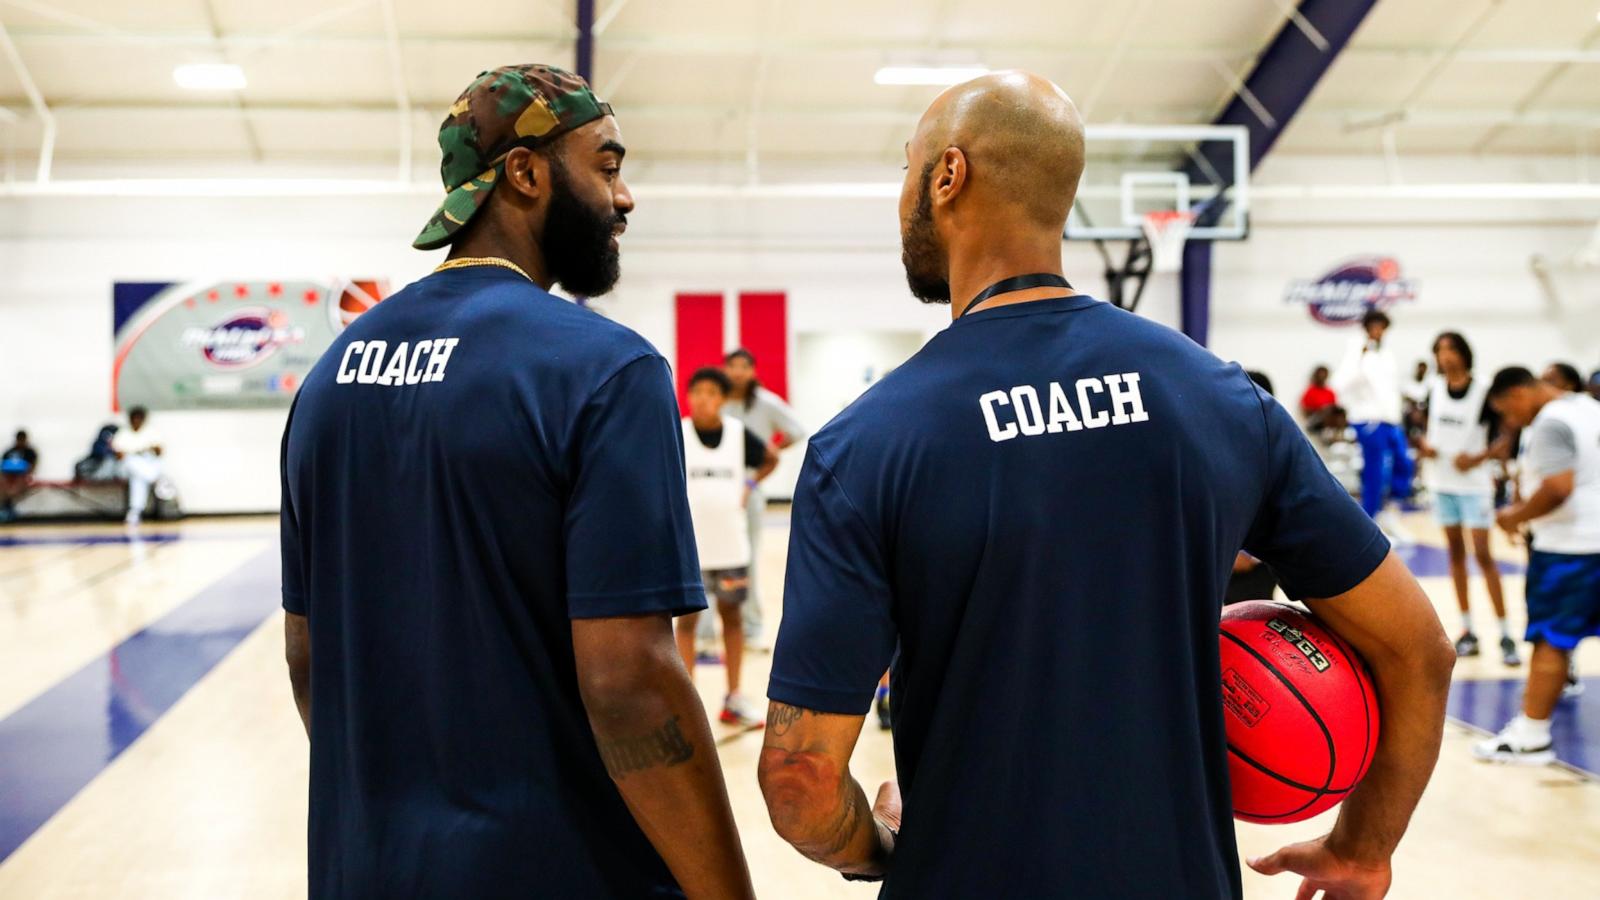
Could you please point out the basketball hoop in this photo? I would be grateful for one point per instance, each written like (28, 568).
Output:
(1166, 230)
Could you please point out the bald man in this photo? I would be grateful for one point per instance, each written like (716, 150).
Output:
(1040, 510)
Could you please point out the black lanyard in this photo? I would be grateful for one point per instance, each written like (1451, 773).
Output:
(1018, 283)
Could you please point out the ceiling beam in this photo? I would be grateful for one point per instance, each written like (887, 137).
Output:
(1284, 75)
(222, 51)
(1537, 91)
(1354, 116)
(47, 140)
(689, 44)
(583, 47)
(402, 96)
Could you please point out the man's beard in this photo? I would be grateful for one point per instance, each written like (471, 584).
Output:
(577, 241)
(920, 252)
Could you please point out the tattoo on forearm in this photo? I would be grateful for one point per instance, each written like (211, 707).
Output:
(781, 717)
(666, 746)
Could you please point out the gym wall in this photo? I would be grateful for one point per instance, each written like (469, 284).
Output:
(837, 260)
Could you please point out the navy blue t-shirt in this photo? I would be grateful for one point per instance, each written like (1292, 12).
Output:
(471, 465)
(1041, 508)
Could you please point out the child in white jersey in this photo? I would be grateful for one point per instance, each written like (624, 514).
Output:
(717, 451)
(1457, 441)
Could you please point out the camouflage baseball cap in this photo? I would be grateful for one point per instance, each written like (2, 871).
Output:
(504, 108)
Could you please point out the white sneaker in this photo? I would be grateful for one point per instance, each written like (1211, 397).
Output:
(1514, 745)
(736, 711)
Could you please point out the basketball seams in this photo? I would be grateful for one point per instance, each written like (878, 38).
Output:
(1262, 768)
(1327, 734)
(1316, 795)
(1358, 668)
(1315, 717)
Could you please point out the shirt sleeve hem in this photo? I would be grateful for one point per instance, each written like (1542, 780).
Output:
(678, 601)
(827, 700)
(294, 602)
(1359, 567)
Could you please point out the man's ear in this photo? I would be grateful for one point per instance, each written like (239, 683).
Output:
(527, 173)
(950, 175)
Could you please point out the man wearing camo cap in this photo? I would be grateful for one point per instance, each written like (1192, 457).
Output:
(485, 539)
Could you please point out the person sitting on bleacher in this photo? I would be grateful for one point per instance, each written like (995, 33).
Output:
(16, 470)
(139, 448)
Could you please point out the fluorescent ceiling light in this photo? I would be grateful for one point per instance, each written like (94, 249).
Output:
(209, 77)
(940, 75)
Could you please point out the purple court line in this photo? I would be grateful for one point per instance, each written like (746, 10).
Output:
(1487, 704)
(12, 540)
(51, 748)
(1428, 561)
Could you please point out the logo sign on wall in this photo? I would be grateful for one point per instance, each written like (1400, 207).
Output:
(229, 344)
(1345, 293)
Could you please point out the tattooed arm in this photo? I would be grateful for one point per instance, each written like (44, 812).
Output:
(653, 737)
(814, 802)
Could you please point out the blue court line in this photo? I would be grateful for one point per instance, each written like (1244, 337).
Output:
(11, 540)
(56, 744)
(1428, 561)
(1488, 704)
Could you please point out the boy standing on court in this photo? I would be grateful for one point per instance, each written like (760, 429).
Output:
(717, 451)
(1561, 504)
(1457, 440)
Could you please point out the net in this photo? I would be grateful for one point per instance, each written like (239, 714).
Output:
(1166, 230)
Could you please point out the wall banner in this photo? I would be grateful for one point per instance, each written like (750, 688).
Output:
(226, 344)
(1348, 290)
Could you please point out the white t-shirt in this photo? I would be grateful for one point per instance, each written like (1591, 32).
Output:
(767, 415)
(1368, 384)
(1566, 436)
(132, 443)
(1456, 426)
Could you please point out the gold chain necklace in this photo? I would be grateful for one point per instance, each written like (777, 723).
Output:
(464, 261)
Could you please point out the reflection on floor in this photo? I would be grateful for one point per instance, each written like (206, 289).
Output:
(63, 738)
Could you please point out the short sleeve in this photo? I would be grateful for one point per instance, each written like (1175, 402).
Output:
(838, 632)
(781, 416)
(755, 452)
(1552, 447)
(1315, 537)
(293, 551)
(629, 540)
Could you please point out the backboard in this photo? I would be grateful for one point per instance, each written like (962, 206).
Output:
(1136, 169)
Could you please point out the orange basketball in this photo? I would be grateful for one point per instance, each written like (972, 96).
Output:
(1300, 712)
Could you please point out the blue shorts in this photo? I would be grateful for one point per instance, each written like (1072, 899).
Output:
(1471, 510)
(1563, 598)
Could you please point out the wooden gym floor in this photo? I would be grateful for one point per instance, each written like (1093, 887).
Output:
(149, 747)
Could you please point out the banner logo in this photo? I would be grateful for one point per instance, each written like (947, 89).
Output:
(1345, 294)
(245, 338)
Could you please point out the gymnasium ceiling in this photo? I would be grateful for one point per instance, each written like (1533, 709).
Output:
(731, 81)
